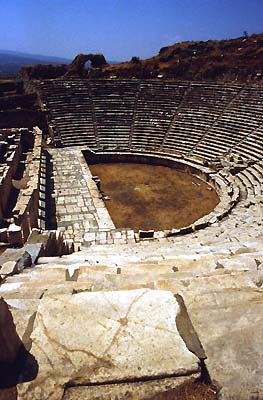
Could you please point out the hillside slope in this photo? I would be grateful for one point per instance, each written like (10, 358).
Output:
(239, 59)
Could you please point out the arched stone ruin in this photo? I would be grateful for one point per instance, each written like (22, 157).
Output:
(77, 67)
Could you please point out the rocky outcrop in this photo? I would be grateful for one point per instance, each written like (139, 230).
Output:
(42, 71)
(232, 60)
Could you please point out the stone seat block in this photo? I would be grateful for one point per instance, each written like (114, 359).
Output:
(128, 335)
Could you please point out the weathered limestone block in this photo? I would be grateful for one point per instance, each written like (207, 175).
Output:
(34, 250)
(237, 264)
(8, 268)
(35, 290)
(106, 337)
(244, 250)
(227, 313)
(13, 261)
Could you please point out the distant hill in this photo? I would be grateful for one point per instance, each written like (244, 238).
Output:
(12, 61)
(236, 60)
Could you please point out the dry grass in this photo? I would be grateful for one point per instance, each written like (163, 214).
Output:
(237, 59)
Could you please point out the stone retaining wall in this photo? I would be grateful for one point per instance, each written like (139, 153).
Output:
(26, 209)
(13, 148)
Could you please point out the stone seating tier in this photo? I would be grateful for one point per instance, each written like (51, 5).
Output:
(185, 117)
(209, 291)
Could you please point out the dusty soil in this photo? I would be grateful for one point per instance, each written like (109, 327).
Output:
(147, 197)
(190, 391)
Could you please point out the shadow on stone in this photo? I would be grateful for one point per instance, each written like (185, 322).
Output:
(17, 365)
(187, 330)
(49, 194)
(23, 369)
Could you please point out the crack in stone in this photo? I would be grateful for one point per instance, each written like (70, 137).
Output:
(43, 351)
(135, 340)
(153, 327)
(146, 378)
(115, 337)
(58, 346)
(110, 303)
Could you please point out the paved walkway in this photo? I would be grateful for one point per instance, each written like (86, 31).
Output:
(79, 208)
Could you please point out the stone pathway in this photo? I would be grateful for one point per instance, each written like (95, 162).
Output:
(79, 208)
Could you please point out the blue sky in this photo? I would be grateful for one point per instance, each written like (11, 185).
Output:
(121, 28)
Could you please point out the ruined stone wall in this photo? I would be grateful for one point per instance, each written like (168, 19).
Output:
(26, 209)
(39, 71)
(77, 67)
(11, 141)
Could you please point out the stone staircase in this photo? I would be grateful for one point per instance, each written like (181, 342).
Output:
(140, 319)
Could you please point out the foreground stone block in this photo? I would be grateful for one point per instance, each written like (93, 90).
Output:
(227, 312)
(102, 337)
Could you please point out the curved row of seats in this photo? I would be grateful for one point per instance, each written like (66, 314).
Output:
(199, 119)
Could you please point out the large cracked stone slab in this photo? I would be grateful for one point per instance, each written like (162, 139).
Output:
(103, 337)
(227, 313)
